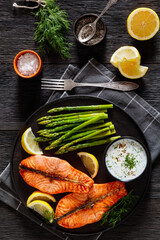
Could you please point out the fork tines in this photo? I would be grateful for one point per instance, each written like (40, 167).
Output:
(52, 84)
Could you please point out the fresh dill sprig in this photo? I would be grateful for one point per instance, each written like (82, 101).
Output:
(115, 213)
(49, 217)
(52, 24)
(130, 161)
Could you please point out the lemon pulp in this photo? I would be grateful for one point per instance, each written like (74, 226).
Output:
(43, 208)
(90, 162)
(29, 144)
(130, 69)
(37, 195)
(143, 23)
(128, 52)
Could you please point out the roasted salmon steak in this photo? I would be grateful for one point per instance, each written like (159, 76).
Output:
(76, 210)
(53, 175)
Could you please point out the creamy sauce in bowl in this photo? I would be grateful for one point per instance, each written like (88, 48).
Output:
(126, 159)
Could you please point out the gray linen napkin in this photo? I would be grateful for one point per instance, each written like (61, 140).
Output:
(147, 118)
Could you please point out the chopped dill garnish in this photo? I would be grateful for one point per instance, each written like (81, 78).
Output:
(50, 29)
(130, 161)
(115, 213)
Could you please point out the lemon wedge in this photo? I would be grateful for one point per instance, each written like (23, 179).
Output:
(90, 162)
(130, 69)
(128, 52)
(43, 208)
(143, 23)
(29, 144)
(37, 195)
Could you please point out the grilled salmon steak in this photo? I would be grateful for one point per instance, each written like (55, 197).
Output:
(76, 210)
(53, 175)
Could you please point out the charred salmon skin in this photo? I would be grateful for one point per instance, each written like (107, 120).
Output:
(53, 175)
(76, 210)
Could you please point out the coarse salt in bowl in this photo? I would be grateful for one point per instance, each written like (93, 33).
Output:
(27, 64)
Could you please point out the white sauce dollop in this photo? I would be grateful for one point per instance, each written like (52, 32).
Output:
(126, 159)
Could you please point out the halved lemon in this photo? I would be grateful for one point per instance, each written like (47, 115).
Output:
(43, 208)
(29, 144)
(90, 162)
(37, 195)
(128, 52)
(143, 23)
(130, 69)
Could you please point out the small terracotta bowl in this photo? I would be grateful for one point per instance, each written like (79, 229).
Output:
(22, 53)
(83, 20)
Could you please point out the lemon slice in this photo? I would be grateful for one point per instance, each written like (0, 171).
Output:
(130, 69)
(37, 195)
(43, 208)
(90, 162)
(143, 23)
(29, 144)
(128, 52)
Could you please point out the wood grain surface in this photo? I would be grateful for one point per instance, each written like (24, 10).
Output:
(19, 98)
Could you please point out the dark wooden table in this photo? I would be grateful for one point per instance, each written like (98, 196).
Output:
(19, 98)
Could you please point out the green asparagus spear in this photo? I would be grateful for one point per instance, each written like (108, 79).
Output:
(79, 135)
(63, 149)
(78, 116)
(68, 114)
(46, 137)
(43, 139)
(57, 129)
(111, 127)
(53, 135)
(96, 137)
(91, 144)
(80, 108)
(103, 135)
(74, 120)
(64, 127)
(49, 133)
(46, 118)
(74, 130)
(97, 126)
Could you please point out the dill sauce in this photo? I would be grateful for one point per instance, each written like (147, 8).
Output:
(126, 159)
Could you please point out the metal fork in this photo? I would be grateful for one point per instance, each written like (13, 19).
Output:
(68, 84)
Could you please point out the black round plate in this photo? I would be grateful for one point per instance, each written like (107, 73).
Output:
(124, 125)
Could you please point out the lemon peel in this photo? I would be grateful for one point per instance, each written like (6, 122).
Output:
(43, 208)
(128, 52)
(29, 144)
(90, 162)
(143, 23)
(130, 69)
(37, 195)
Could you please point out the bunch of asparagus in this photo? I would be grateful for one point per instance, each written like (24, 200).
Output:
(76, 127)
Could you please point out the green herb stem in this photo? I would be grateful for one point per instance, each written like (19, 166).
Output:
(51, 26)
(115, 213)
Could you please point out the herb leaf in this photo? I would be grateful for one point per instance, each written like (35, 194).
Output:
(50, 29)
(130, 161)
(115, 213)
